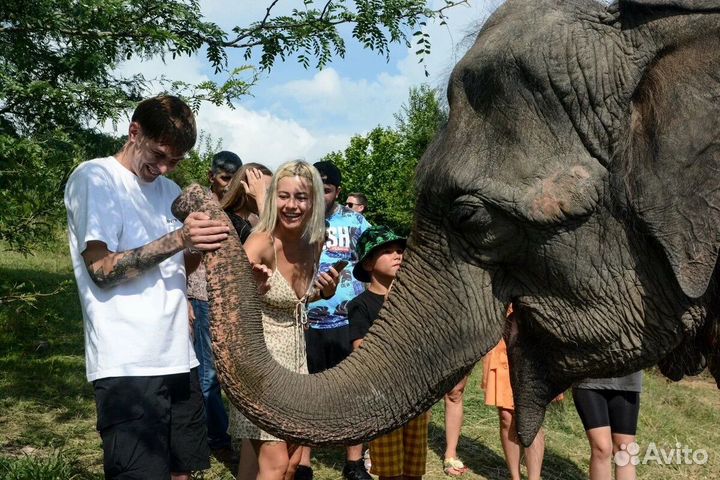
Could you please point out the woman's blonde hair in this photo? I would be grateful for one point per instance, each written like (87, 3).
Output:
(315, 225)
(236, 197)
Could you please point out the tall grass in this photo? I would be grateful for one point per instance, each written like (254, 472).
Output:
(46, 404)
(57, 466)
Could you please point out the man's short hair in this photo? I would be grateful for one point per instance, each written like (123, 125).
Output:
(226, 161)
(329, 173)
(167, 120)
(361, 198)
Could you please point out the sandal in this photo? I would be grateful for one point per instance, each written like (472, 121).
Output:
(454, 467)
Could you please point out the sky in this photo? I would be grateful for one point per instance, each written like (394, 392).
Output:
(294, 113)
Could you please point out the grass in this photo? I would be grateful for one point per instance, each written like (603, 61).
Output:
(47, 412)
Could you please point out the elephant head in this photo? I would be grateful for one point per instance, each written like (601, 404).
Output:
(576, 179)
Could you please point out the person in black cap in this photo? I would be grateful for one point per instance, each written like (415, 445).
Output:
(223, 167)
(327, 339)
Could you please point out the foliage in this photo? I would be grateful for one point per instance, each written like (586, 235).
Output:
(194, 168)
(58, 59)
(382, 163)
(59, 77)
(33, 171)
(312, 32)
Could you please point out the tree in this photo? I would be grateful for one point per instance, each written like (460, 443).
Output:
(382, 163)
(195, 167)
(58, 75)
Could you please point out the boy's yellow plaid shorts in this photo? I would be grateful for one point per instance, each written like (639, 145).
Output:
(402, 451)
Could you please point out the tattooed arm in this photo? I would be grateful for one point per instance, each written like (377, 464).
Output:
(108, 269)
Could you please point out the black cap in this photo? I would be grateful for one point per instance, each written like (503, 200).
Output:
(227, 161)
(329, 173)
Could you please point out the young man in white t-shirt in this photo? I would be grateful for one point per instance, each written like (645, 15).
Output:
(130, 256)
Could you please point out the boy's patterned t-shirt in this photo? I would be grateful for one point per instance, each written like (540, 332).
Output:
(344, 229)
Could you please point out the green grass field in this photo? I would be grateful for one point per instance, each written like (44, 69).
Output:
(47, 412)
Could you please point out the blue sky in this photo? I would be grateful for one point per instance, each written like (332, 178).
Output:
(297, 113)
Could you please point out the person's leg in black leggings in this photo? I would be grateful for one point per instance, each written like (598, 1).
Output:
(593, 409)
(624, 408)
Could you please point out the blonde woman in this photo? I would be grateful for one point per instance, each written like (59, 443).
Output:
(284, 249)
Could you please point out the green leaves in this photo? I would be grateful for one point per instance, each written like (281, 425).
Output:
(237, 84)
(382, 163)
(33, 171)
(313, 32)
(58, 76)
(195, 168)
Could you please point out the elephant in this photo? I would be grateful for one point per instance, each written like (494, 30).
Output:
(574, 179)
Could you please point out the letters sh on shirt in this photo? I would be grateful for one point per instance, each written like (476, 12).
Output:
(344, 229)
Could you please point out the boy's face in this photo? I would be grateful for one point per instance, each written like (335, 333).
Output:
(219, 182)
(386, 260)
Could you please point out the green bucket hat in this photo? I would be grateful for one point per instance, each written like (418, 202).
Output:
(372, 238)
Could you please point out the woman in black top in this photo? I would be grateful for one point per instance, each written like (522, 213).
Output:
(245, 197)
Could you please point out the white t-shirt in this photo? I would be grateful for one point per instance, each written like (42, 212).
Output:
(139, 327)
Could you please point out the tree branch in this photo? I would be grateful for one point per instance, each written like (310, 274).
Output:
(292, 26)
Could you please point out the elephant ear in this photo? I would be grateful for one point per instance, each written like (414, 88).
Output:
(672, 153)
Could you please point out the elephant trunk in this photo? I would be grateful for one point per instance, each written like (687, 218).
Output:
(419, 348)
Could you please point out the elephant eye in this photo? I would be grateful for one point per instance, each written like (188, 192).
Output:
(469, 213)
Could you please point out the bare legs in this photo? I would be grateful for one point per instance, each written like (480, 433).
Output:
(354, 453)
(511, 447)
(626, 472)
(400, 477)
(274, 460)
(248, 467)
(509, 441)
(453, 422)
(603, 445)
(305, 457)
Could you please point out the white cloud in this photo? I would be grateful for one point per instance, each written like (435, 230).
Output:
(308, 118)
(359, 104)
(325, 84)
(343, 103)
(260, 136)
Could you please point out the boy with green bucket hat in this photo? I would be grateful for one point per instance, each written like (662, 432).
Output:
(401, 453)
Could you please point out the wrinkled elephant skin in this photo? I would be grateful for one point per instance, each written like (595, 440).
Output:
(577, 179)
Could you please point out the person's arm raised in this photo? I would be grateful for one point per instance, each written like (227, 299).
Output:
(260, 252)
(256, 187)
(108, 269)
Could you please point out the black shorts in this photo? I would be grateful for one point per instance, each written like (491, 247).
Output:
(151, 426)
(326, 347)
(617, 409)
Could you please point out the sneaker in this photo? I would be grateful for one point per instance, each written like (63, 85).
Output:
(303, 472)
(355, 471)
